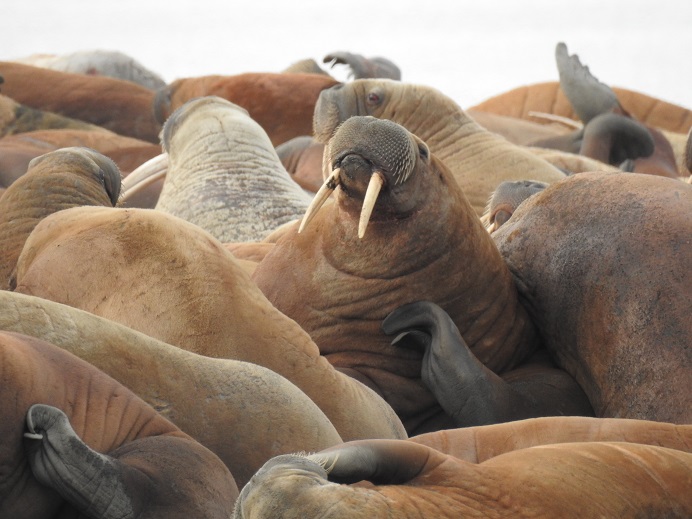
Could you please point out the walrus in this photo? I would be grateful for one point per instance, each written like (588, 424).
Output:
(60, 179)
(282, 104)
(17, 151)
(117, 105)
(302, 158)
(173, 281)
(394, 234)
(76, 443)
(478, 159)
(573, 468)
(242, 412)
(223, 173)
(611, 297)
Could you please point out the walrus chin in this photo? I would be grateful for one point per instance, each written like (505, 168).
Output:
(371, 194)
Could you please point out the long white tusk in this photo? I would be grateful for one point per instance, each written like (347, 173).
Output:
(145, 174)
(371, 194)
(320, 198)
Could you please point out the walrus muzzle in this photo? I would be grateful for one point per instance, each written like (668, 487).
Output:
(387, 146)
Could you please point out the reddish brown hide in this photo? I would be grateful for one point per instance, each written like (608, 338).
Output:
(548, 98)
(120, 106)
(283, 104)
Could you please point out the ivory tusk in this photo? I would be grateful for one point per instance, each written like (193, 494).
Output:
(320, 198)
(145, 174)
(376, 183)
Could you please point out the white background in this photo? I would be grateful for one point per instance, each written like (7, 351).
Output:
(471, 50)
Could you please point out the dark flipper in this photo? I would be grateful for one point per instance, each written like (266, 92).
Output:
(588, 96)
(362, 67)
(59, 459)
(468, 391)
(613, 139)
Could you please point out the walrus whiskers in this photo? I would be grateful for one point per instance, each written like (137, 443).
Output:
(374, 187)
(320, 198)
(145, 174)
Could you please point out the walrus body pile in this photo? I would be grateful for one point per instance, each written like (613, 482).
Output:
(380, 354)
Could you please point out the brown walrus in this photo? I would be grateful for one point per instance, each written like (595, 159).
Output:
(242, 412)
(415, 237)
(117, 105)
(479, 160)
(171, 280)
(575, 467)
(64, 178)
(76, 443)
(282, 104)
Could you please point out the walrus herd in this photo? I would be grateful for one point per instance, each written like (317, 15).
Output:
(284, 295)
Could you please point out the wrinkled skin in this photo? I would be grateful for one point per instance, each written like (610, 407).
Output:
(58, 180)
(224, 174)
(282, 104)
(16, 151)
(120, 106)
(479, 160)
(95, 449)
(611, 295)
(351, 284)
(169, 279)
(575, 468)
(242, 412)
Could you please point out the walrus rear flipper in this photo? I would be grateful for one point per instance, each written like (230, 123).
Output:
(588, 96)
(467, 390)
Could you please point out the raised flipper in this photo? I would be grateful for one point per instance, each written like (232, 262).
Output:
(364, 68)
(468, 391)
(588, 96)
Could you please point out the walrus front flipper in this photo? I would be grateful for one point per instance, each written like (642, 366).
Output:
(588, 96)
(468, 391)
(90, 481)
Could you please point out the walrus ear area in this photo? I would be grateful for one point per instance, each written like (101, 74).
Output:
(161, 104)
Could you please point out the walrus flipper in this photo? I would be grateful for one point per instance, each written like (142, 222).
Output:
(588, 96)
(364, 68)
(467, 390)
(59, 459)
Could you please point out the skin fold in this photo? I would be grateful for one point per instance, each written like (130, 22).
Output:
(94, 449)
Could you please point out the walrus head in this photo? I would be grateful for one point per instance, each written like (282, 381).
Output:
(365, 156)
(505, 200)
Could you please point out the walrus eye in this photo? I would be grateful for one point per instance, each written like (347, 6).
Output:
(373, 98)
(423, 151)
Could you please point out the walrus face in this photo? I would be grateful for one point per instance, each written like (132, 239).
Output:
(381, 98)
(371, 158)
